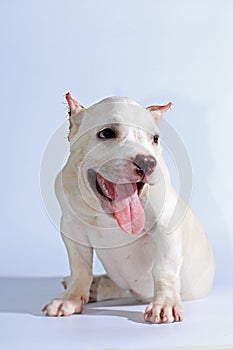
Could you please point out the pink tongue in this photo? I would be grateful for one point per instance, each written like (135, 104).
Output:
(126, 205)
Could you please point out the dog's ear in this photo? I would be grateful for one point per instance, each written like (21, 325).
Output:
(158, 111)
(74, 109)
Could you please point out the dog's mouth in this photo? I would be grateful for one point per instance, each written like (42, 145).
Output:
(120, 200)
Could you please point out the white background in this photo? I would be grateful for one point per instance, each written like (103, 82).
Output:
(151, 51)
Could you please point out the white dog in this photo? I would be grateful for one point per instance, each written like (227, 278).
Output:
(116, 197)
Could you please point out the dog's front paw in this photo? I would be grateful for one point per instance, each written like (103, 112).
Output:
(166, 312)
(64, 306)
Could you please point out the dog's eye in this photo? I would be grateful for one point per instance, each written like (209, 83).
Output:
(156, 139)
(106, 134)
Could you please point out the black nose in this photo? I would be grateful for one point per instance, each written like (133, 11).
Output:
(145, 165)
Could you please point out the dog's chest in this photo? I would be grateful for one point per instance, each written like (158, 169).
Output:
(130, 266)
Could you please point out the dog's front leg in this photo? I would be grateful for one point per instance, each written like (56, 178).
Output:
(165, 306)
(72, 300)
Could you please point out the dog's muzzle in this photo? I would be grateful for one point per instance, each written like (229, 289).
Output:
(122, 200)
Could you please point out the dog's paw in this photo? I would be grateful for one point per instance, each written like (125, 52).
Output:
(64, 307)
(163, 313)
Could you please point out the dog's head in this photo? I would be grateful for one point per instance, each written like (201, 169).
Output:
(115, 145)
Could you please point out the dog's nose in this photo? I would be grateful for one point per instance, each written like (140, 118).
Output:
(145, 165)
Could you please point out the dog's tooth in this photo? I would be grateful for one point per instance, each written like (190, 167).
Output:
(105, 191)
(104, 188)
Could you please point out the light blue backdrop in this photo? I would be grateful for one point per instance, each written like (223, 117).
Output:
(152, 51)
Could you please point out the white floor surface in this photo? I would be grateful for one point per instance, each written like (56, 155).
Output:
(208, 323)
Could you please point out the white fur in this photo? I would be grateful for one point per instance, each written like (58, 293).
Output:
(159, 265)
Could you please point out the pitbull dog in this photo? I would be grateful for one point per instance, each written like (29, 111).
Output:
(116, 197)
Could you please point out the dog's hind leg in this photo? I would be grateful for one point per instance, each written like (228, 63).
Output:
(102, 288)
